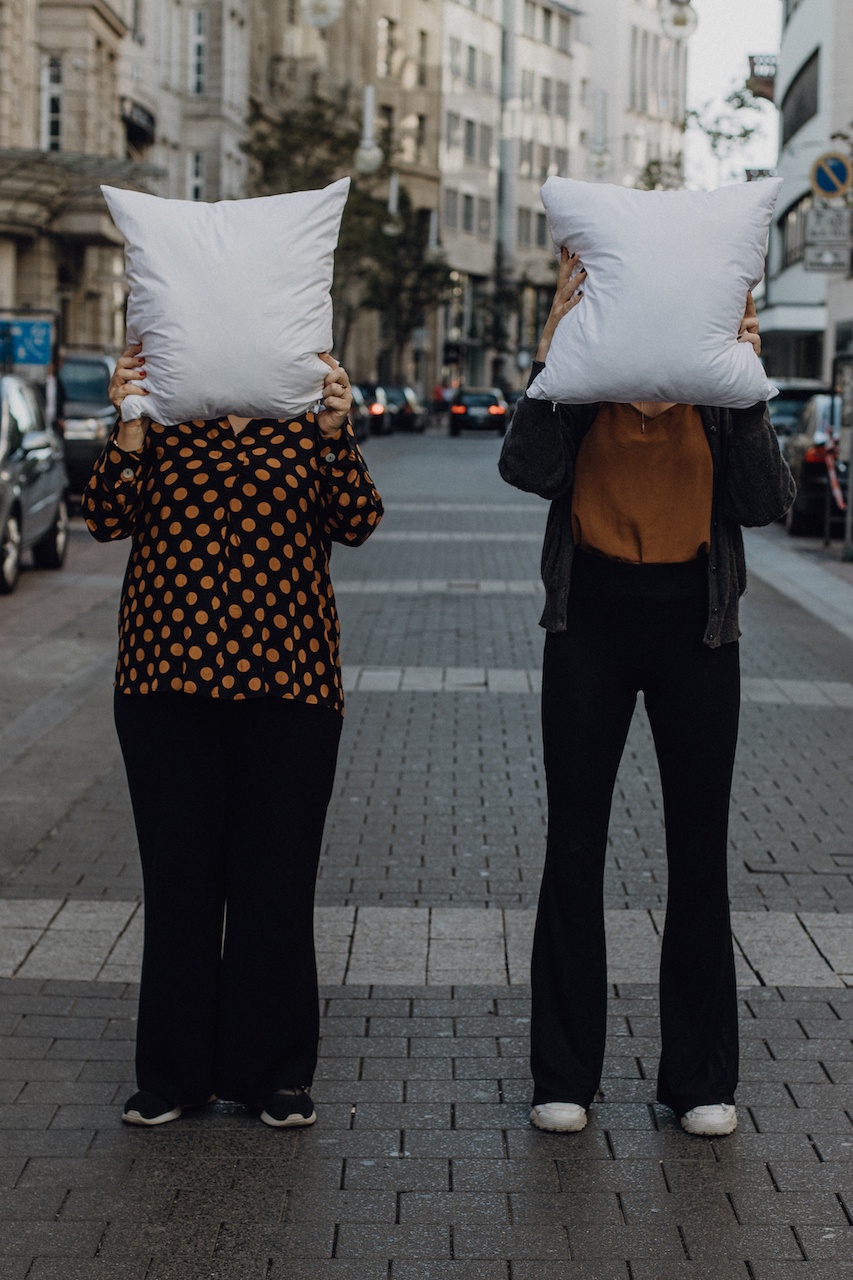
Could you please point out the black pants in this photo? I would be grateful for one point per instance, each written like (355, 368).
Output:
(229, 800)
(632, 628)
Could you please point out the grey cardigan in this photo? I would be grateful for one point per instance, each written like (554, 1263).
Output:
(752, 486)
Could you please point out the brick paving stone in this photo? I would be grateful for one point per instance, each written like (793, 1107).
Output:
(481, 1269)
(709, 1242)
(59, 1239)
(486, 1208)
(838, 1270)
(643, 1269)
(660, 1241)
(420, 1240)
(791, 1207)
(129, 1268)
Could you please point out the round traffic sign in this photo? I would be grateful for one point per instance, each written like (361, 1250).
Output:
(832, 175)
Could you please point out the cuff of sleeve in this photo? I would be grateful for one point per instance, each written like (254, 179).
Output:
(122, 466)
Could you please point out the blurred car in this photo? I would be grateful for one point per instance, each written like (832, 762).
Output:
(483, 408)
(805, 450)
(785, 409)
(409, 413)
(360, 414)
(381, 413)
(33, 484)
(87, 416)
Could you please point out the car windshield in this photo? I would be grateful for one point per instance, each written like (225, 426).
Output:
(85, 380)
(477, 400)
(395, 395)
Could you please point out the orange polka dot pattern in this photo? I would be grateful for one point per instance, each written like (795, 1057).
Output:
(227, 592)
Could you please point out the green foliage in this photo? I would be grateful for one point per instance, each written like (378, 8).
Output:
(662, 175)
(382, 263)
(730, 129)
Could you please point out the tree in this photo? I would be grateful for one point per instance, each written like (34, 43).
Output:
(313, 143)
(662, 175)
(730, 129)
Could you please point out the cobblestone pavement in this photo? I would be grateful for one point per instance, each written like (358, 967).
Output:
(422, 1165)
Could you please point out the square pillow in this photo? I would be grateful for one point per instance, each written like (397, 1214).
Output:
(667, 278)
(230, 301)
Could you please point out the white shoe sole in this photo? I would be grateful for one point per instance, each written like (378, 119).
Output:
(709, 1128)
(134, 1117)
(573, 1124)
(292, 1122)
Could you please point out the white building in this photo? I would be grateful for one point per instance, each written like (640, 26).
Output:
(814, 94)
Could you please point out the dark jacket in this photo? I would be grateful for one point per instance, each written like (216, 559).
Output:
(752, 486)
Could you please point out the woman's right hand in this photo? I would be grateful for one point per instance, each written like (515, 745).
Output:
(568, 295)
(130, 368)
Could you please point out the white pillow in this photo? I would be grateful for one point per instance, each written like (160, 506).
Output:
(230, 301)
(667, 278)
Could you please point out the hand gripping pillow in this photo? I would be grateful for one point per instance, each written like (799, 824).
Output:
(667, 279)
(230, 301)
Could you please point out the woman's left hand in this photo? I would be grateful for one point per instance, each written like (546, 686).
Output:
(749, 326)
(337, 398)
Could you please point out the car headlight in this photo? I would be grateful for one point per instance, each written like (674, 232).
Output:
(86, 429)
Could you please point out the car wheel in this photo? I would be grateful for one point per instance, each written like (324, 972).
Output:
(10, 555)
(50, 551)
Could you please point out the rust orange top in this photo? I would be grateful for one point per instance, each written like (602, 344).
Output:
(643, 486)
(227, 590)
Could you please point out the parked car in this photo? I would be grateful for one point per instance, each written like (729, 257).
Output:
(360, 414)
(483, 408)
(409, 413)
(806, 452)
(785, 409)
(33, 484)
(381, 416)
(87, 414)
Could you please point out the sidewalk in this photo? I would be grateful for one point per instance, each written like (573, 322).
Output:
(422, 1165)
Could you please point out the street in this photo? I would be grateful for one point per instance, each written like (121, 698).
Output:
(423, 1165)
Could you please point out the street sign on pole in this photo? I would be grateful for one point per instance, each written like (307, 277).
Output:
(827, 238)
(832, 175)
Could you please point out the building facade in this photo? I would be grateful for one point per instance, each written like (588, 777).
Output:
(814, 94)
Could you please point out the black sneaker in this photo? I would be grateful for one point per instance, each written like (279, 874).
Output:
(289, 1108)
(147, 1108)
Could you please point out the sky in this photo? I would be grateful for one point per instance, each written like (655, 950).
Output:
(717, 62)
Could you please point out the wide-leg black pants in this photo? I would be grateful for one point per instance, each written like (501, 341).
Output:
(229, 800)
(637, 628)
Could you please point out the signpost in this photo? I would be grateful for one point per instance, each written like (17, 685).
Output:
(832, 175)
(827, 239)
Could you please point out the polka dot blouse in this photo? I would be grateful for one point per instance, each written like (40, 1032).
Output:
(227, 591)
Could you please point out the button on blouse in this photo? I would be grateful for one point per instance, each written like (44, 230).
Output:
(227, 591)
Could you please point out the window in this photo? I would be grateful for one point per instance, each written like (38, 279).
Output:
(386, 115)
(563, 33)
(451, 209)
(453, 123)
(792, 224)
(468, 214)
(484, 217)
(547, 24)
(525, 159)
(51, 110)
(527, 88)
(471, 66)
(487, 70)
(470, 140)
(634, 79)
(561, 161)
(420, 139)
(542, 238)
(198, 51)
(523, 226)
(487, 135)
(800, 102)
(529, 18)
(790, 8)
(544, 155)
(423, 50)
(455, 56)
(562, 99)
(546, 93)
(643, 104)
(385, 44)
(196, 183)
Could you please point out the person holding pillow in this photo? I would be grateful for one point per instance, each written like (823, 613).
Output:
(228, 706)
(643, 567)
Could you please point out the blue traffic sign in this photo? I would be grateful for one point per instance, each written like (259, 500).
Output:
(26, 341)
(832, 175)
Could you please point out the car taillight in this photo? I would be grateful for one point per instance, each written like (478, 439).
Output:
(376, 408)
(457, 408)
(496, 408)
(815, 453)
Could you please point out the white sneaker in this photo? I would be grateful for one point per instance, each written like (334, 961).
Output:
(559, 1117)
(712, 1122)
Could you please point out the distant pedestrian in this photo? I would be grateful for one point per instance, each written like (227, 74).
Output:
(228, 705)
(643, 566)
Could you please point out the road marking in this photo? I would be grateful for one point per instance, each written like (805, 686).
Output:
(101, 941)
